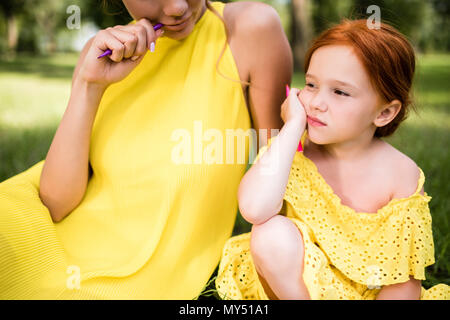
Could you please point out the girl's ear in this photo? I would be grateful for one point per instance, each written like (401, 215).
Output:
(388, 113)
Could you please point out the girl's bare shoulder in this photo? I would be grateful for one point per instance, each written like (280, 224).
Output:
(402, 172)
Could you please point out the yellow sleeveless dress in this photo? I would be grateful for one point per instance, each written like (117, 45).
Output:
(348, 255)
(162, 200)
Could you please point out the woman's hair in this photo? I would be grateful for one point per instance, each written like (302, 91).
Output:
(211, 8)
(387, 56)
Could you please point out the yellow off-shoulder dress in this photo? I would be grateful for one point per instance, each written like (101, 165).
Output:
(348, 254)
(162, 198)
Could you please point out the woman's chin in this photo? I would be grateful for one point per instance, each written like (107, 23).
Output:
(179, 35)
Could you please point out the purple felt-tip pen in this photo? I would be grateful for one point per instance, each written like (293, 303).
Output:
(108, 52)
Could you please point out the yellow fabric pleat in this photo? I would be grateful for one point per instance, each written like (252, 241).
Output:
(348, 254)
(150, 226)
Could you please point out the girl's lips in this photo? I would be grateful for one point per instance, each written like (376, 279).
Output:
(315, 122)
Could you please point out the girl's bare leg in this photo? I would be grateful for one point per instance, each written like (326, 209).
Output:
(277, 250)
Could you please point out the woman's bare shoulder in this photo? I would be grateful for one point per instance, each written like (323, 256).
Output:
(247, 15)
(252, 24)
(263, 57)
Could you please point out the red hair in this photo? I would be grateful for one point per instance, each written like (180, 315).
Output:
(387, 56)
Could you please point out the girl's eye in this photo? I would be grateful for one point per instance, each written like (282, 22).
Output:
(310, 85)
(341, 93)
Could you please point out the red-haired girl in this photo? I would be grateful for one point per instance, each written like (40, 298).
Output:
(348, 218)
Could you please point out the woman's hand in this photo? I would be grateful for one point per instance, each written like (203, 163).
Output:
(128, 44)
(292, 109)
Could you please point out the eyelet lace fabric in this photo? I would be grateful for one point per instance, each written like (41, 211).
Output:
(348, 254)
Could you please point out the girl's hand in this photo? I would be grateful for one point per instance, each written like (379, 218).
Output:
(128, 44)
(292, 109)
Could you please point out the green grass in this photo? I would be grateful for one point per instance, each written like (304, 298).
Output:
(34, 92)
(425, 138)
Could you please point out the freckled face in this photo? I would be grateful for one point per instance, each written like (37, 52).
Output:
(178, 16)
(338, 94)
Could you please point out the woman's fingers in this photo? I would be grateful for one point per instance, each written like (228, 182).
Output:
(128, 39)
(152, 35)
(141, 33)
(107, 41)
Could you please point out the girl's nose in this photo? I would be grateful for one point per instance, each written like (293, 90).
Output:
(175, 8)
(318, 103)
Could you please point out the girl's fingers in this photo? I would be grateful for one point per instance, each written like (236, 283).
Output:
(301, 97)
(294, 91)
(128, 39)
(293, 95)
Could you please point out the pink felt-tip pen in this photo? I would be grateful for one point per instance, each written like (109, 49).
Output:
(299, 148)
(109, 52)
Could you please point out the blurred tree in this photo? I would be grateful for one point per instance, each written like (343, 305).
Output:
(11, 9)
(106, 13)
(31, 25)
(439, 35)
(48, 15)
(328, 12)
(301, 30)
(405, 15)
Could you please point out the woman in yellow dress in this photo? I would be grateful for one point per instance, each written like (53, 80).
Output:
(348, 217)
(127, 203)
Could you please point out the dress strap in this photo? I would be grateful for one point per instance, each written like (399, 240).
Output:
(421, 181)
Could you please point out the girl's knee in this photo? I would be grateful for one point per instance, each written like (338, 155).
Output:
(277, 240)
